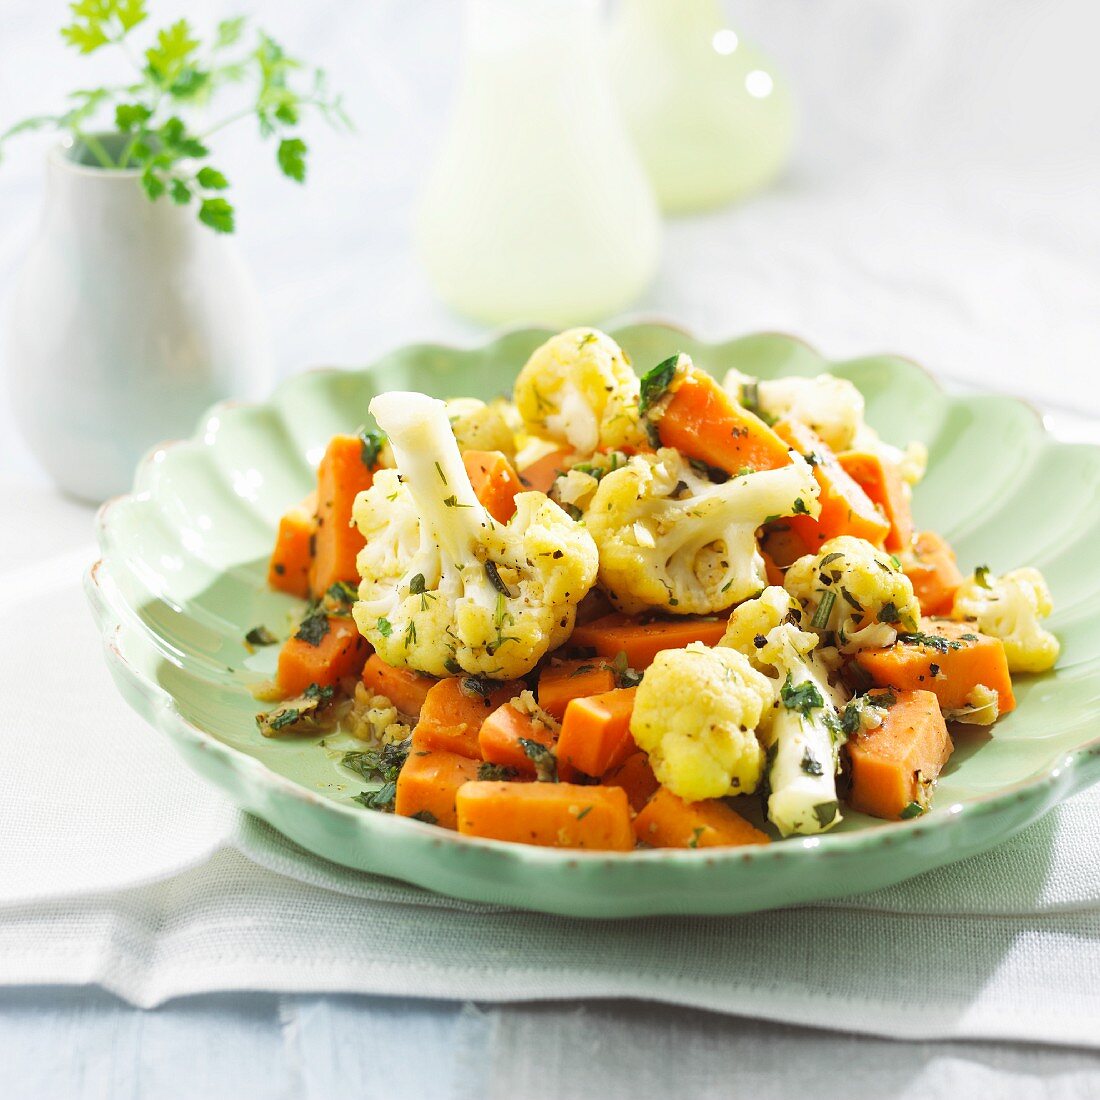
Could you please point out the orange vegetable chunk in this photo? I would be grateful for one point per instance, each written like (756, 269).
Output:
(930, 565)
(636, 777)
(341, 476)
(595, 734)
(641, 639)
(495, 482)
(453, 713)
(288, 570)
(895, 765)
(404, 687)
(541, 473)
(339, 653)
(552, 815)
(845, 508)
(428, 783)
(702, 421)
(558, 683)
(885, 487)
(501, 734)
(967, 660)
(667, 821)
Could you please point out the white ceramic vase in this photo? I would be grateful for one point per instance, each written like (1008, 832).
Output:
(537, 208)
(711, 117)
(128, 320)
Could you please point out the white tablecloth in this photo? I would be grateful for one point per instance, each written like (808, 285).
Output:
(943, 205)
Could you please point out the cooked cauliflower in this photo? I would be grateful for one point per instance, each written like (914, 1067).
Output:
(855, 593)
(480, 427)
(831, 406)
(445, 588)
(983, 708)
(1009, 607)
(672, 540)
(910, 461)
(804, 733)
(575, 488)
(579, 390)
(695, 713)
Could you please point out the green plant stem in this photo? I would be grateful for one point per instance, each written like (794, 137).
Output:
(95, 146)
(227, 121)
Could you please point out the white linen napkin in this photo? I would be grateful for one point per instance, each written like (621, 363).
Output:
(119, 867)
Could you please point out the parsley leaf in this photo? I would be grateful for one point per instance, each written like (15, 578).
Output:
(655, 382)
(546, 764)
(291, 158)
(804, 697)
(260, 635)
(313, 627)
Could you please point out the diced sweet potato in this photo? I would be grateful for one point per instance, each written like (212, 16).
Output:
(636, 777)
(495, 482)
(339, 652)
(404, 687)
(288, 570)
(453, 712)
(595, 733)
(502, 735)
(558, 683)
(641, 639)
(893, 767)
(428, 784)
(667, 821)
(930, 565)
(552, 815)
(342, 475)
(952, 664)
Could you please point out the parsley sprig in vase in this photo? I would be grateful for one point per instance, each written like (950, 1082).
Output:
(134, 312)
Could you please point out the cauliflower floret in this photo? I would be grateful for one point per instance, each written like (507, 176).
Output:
(672, 540)
(911, 462)
(805, 732)
(580, 390)
(480, 427)
(983, 708)
(831, 406)
(445, 588)
(695, 713)
(855, 593)
(1009, 607)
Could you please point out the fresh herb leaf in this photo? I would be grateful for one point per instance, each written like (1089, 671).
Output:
(496, 773)
(416, 585)
(696, 833)
(260, 635)
(474, 687)
(713, 474)
(284, 718)
(218, 214)
(799, 508)
(820, 620)
(913, 809)
(493, 574)
(810, 763)
(931, 641)
(546, 764)
(850, 600)
(655, 382)
(382, 799)
(291, 157)
(370, 445)
(804, 697)
(426, 816)
(384, 627)
(313, 627)
(981, 576)
(825, 812)
(888, 613)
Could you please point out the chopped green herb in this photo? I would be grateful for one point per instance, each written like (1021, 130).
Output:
(442, 475)
(810, 763)
(426, 816)
(799, 508)
(473, 687)
(696, 833)
(321, 694)
(713, 474)
(981, 576)
(260, 635)
(546, 764)
(820, 621)
(625, 676)
(285, 718)
(584, 813)
(914, 809)
(381, 799)
(655, 382)
(384, 627)
(825, 812)
(804, 697)
(342, 594)
(931, 641)
(375, 765)
(496, 773)
(885, 698)
(416, 585)
(452, 666)
(370, 444)
(452, 502)
(313, 627)
(493, 573)
(850, 600)
(888, 613)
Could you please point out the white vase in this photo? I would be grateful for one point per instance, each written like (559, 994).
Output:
(537, 208)
(711, 117)
(128, 320)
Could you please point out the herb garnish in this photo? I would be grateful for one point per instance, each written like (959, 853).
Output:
(371, 443)
(932, 641)
(313, 627)
(260, 635)
(913, 809)
(496, 773)
(655, 382)
(804, 697)
(546, 764)
(384, 627)
(825, 812)
(810, 763)
(824, 609)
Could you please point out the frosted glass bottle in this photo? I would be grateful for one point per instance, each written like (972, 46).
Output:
(710, 117)
(538, 208)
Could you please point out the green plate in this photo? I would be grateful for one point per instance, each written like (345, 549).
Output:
(181, 581)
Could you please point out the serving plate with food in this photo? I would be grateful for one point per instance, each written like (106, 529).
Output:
(619, 624)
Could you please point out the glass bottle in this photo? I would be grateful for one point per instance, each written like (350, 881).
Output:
(710, 117)
(537, 208)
